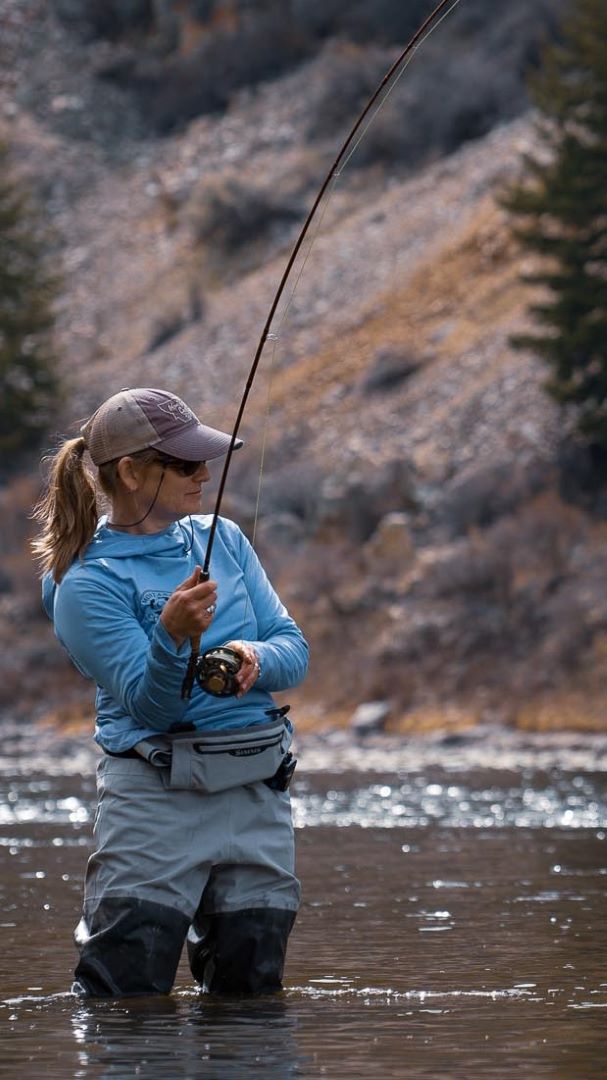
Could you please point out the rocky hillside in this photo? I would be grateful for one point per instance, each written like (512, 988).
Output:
(424, 510)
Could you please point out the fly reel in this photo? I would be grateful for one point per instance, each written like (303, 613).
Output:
(216, 671)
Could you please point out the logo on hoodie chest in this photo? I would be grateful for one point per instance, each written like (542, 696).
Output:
(152, 602)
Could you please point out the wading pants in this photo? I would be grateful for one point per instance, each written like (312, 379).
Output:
(216, 870)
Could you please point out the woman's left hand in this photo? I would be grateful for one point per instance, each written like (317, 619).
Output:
(249, 668)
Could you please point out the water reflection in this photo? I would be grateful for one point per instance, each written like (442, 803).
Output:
(195, 1037)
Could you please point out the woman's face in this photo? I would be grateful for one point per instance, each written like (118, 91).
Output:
(162, 485)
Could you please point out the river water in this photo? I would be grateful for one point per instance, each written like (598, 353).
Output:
(454, 921)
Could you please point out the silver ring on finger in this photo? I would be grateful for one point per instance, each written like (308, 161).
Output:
(211, 609)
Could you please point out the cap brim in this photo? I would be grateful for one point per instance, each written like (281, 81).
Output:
(198, 443)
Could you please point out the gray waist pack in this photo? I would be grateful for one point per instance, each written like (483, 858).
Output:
(215, 760)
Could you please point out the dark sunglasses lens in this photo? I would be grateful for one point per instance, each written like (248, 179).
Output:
(188, 468)
(184, 468)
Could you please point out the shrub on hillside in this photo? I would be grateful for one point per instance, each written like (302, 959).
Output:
(170, 323)
(392, 22)
(228, 214)
(582, 474)
(468, 75)
(106, 18)
(182, 87)
(293, 489)
(245, 41)
(342, 80)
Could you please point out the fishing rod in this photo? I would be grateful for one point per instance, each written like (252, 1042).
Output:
(215, 670)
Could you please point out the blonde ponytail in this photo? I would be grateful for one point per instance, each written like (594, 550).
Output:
(67, 511)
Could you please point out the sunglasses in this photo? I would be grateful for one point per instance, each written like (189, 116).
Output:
(184, 468)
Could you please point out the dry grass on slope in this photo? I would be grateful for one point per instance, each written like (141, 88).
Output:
(465, 396)
(449, 306)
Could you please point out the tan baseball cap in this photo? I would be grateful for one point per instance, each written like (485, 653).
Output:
(133, 420)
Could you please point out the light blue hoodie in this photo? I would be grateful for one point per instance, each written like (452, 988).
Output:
(106, 614)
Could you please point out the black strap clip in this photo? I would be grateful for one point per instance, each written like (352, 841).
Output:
(278, 713)
(283, 775)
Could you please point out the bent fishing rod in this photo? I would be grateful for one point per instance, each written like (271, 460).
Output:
(216, 669)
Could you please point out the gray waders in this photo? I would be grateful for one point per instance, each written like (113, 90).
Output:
(173, 863)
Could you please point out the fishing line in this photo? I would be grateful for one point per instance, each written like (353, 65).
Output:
(391, 79)
(352, 141)
(274, 337)
(439, 12)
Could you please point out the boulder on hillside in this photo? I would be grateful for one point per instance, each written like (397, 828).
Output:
(486, 491)
(388, 368)
(283, 531)
(390, 549)
(357, 505)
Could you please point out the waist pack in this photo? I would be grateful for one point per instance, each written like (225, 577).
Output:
(213, 761)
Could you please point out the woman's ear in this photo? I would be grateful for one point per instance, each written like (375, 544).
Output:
(129, 473)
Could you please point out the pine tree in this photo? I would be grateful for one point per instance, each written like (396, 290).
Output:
(29, 385)
(561, 215)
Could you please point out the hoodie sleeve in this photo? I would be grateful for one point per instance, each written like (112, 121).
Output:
(95, 623)
(281, 646)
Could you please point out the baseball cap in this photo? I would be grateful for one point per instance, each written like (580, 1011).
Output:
(135, 419)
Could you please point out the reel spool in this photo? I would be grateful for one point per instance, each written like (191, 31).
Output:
(216, 671)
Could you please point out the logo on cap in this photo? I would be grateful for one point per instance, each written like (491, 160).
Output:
(178, 410)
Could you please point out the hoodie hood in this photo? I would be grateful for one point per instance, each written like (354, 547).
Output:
(110, 543)
(172, 543)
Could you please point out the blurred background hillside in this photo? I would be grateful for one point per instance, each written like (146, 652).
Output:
(428, 513)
